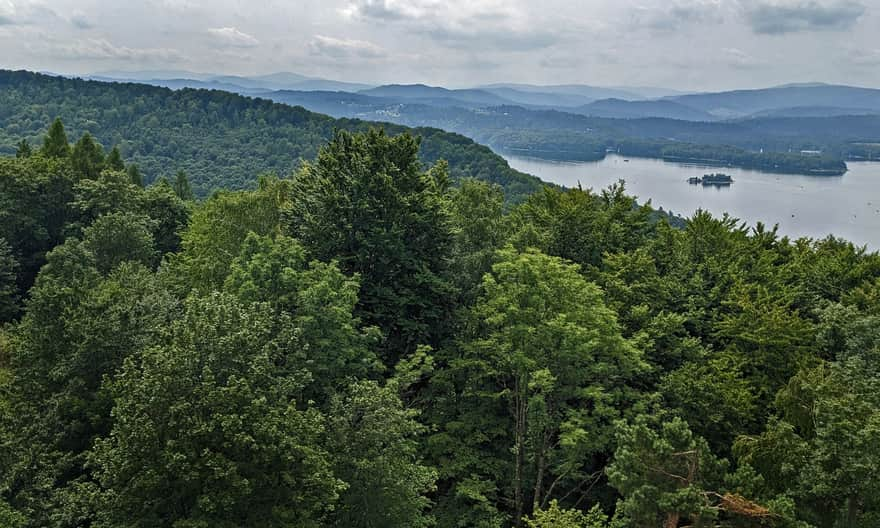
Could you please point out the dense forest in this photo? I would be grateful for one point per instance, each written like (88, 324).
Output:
(363, 344)
(221, 140)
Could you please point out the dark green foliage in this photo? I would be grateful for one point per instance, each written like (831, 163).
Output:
(181, 186)
(134, 175)
(23, 149)
(55, 144)
(207, 435)
(169, 362)
(114, 161)
(9, 296)
(87, 157)
(221, 140)
(365, 203)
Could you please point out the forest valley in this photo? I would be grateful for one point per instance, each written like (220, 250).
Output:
(372, 343)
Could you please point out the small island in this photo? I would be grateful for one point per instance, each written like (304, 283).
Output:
(717, 180)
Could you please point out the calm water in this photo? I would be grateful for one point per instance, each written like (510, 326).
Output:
(847, 206)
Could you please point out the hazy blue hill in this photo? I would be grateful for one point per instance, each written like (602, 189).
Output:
(592, 93)
(221, 139)
(741, 103)
(534, 98)
(617, 108)
(435, 94)
(814, 111)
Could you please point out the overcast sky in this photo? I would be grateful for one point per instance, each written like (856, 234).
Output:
(685, 44)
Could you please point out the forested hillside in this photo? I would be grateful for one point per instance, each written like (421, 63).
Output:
(221, 140)
(363, 344)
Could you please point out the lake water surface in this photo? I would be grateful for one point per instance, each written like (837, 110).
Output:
(847, 206)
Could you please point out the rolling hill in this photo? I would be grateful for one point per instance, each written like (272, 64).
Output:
(221, 139)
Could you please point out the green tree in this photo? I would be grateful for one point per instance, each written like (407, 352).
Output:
(114, 160)
(366, 203)
(556, 517)
(8, 285)
(320, 301)
(169, 216)
(218, 228)
(87, 157)
(665, 474)
(377, 454)
(541, 376)
(479, 225)
(182, 186)
(134, 175)
(119, 237)
(205, 433)
(55, 144)
(23, 149)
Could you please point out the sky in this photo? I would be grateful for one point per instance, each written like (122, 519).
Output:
(679, 44)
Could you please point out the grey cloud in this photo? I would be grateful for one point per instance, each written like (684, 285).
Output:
(102, 50)
(230, 36)
(777, 18)
(676, 15)
(80, 21)
(490, 24)
(343, 48)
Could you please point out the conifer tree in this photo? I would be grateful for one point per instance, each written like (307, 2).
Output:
(182, 186)
(55, 143)
(114, 160)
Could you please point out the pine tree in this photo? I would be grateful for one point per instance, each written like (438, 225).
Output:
(114, 160)
(55, 143)
(134, 174)
(182, 187)
(24, 149)
(88, 157)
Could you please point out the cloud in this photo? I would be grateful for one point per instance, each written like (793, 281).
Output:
(7, 13)
(740, 59)
(102, 50)
(344, 48)
(232, 37)
(678, 14)
(778, 17)
(81, 21)
(495, 24)
(864, 57)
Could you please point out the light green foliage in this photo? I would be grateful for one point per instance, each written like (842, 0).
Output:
(366, 203)
(556, 517)
(320, 302)
(219, 226)
(545, 358)
(205, 433)
(375, 441)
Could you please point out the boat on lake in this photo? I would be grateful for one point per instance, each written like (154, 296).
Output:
(716, 180)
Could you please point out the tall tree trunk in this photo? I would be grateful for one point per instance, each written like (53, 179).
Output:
(520, 437)
(540, 468)
(671, 520)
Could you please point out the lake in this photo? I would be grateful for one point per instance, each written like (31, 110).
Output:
(847, 206)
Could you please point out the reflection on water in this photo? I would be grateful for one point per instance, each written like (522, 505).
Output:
(847, 206)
